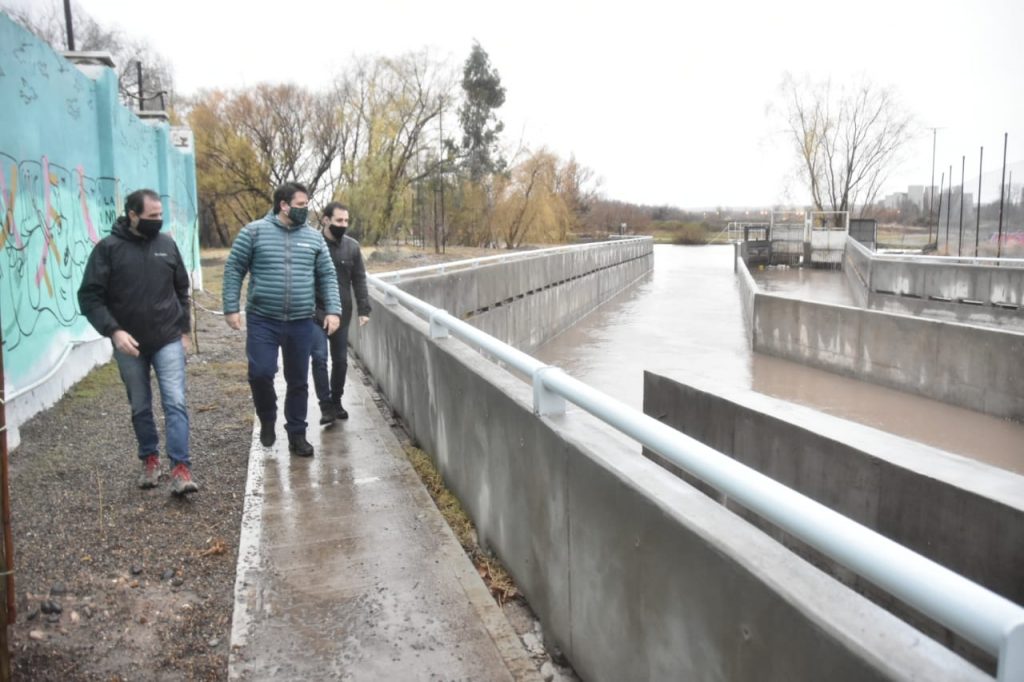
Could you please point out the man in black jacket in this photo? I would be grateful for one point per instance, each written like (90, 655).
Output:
(135, 290)
(348, 264)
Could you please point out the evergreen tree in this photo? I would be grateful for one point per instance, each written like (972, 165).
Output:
(480, 127)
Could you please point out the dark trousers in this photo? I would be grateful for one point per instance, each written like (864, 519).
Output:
(294, 339)
(330, 392)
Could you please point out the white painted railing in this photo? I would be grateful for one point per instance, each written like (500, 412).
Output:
(511, 256)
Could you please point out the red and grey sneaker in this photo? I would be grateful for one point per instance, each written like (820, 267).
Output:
(181, 480)
(150, 476)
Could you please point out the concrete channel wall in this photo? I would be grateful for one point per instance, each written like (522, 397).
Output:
(966, 292)
(552, 290)
(963, 514)
(974, 367)
(635, 574)
(979, 368)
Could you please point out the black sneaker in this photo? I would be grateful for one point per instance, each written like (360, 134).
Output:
(328, 413)
(340, 412)
(299, 446)
(267, 435)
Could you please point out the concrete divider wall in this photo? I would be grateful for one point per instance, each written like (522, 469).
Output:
(525, 302)
(857, 270)
(974, 367)
(748, 287)
(634, 573)
(960, 292)
(963, 514)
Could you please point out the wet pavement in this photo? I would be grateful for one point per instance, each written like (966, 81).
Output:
(684, 321)
(347, 570)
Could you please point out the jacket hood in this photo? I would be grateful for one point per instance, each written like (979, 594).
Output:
(123, 228)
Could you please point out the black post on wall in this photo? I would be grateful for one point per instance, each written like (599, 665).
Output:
(138, 73)
(68, 25)
(938, 216)
(1002, 193)
(977, 224)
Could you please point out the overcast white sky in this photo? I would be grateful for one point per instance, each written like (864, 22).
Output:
(664, 100)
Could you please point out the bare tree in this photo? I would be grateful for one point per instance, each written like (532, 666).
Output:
(392, 108)
(847, 141)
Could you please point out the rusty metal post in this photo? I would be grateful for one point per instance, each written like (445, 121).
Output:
(7, 553)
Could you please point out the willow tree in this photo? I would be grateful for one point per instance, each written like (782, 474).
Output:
(847, 139)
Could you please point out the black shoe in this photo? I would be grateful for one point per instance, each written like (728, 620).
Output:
(267, 435)
(328, 413)
(340, 412)
(299, 446)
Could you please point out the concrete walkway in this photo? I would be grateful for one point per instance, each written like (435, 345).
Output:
(347, 570)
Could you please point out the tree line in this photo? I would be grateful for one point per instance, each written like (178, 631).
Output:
(415, 151)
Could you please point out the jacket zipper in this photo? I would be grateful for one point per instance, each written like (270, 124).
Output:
(287, 273)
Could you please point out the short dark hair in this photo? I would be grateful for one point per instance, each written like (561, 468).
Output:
(136, 201)
(286, 192)
(330, 208)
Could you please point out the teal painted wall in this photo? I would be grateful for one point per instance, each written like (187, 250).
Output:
(69, 154)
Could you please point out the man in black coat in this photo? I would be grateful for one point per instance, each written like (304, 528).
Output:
(135, 290)
(348, 265)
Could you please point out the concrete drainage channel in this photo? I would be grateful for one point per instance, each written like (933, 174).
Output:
(548, 658)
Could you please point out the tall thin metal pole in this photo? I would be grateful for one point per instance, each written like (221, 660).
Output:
(949, 204)
(68, 25)
(938, 216)
(931, 189)
(1002, 193)
(977, 225)
(138, 72)
(960, 239)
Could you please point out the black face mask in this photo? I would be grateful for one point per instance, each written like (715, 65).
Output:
(337, 232)
(149, 228)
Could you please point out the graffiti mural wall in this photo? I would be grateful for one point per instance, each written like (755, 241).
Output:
(69, 154)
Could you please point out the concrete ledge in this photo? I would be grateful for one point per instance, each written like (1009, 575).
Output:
(958, 512)
(525, 302)
(974, 367)
(961, 513)
(634, 573)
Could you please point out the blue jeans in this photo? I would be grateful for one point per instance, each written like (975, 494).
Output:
(169, 365)
(330, 390)
(264, 336)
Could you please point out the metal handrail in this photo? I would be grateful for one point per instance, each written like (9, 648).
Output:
(469, 263)
(990, 621)
(946, 260)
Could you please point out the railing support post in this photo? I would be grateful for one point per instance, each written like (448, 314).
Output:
(438, 330)
(545, 402)
(1011, 655)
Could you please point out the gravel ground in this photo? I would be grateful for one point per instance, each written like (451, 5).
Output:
(144, 581)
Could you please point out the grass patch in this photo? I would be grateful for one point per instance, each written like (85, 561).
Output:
(95, 384)
(493, 573)
(213, 270)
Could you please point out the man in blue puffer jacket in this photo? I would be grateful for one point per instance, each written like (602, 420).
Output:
(288, 265)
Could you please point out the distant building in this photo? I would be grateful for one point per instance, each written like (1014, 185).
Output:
(915, 193)
(894, 201)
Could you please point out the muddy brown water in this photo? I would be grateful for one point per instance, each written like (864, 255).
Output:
(684, 321)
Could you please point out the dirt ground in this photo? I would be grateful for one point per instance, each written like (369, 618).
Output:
(143, 581)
